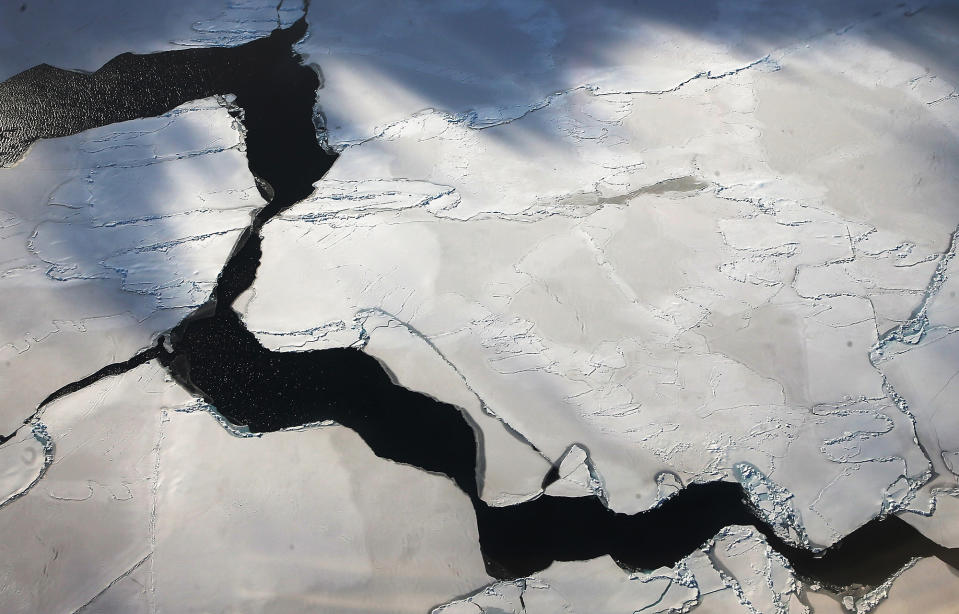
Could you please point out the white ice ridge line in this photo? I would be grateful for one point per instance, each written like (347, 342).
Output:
(164, 216)
(768, 58)
(155, 500)
(159, 159)
(705, 74)
(58, 272)
(950, 96)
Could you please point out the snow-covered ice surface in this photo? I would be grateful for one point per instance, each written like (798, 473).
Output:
(109, 238)
(150, 506)
(679, 240)
(640, 245)
(736, 571)
(683, 260)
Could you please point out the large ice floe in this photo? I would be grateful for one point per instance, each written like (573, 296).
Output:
(109, 238)
(682, 274)
(641, 246)
(687, 242)
(151, 506)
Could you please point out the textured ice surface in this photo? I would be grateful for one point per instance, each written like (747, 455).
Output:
(928, 586)
(110, 237)
(596, 586)
(921, 362)
(734, 572)
(304, 521)
(492, 61)
(150, 505)
(675, 237)
(90, 519)
(85, 35)
(642, 245)
(510, 470)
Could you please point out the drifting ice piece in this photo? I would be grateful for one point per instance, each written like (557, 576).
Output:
(576, 476)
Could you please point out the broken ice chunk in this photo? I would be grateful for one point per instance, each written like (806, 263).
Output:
(576, 476)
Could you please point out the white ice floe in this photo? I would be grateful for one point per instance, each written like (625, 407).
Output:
(735, 572)
(648, 244)
(108, 238)
(179, 515)
(921, 361)
(676, 239)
